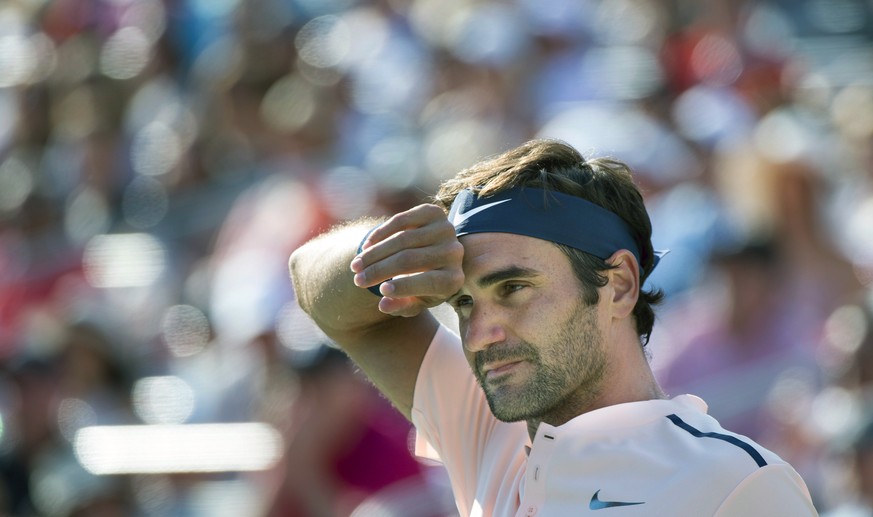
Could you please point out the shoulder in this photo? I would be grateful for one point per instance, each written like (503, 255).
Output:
(776, 490)
(699, 442)
(704, 438)
(757, 480)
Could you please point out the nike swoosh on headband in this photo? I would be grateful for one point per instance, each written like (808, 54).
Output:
(460, 218)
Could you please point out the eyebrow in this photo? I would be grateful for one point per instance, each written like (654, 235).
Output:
(495, 277)
(505, 274)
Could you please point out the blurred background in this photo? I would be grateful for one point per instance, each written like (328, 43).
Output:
(160, 160)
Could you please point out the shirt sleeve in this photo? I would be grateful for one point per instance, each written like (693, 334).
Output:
(454, 425)
(774, 490)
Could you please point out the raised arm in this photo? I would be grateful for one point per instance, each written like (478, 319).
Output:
(386, 337)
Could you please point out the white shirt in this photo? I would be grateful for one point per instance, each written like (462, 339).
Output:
(658, 457)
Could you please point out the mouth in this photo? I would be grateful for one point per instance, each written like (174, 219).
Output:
(492, 371)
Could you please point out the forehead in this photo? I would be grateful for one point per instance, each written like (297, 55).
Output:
(486, 252)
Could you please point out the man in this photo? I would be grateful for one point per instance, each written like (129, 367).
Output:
(543, 256)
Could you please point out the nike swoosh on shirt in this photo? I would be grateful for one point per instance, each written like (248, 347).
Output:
(597, 504)
(460, 218)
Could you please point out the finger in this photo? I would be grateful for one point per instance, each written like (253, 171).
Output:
(440, 283)
(415, 217)
(409, 261)
(405, 307)
(396, 243)
(435, 234)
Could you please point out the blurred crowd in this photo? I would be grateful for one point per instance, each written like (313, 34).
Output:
(160, 159)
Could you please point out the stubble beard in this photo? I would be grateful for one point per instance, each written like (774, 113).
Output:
(570, 378)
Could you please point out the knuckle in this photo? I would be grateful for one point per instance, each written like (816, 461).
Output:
(402, 218)
(443, 221)
(373, 273)
(452, 253)
(455, 250)
(408, 259)
(446, 230)
(431, 209)
(393, 221)
(456, 278)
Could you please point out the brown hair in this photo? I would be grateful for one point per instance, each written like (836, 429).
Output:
(554, 165)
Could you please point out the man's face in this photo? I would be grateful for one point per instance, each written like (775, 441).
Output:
(534, 346)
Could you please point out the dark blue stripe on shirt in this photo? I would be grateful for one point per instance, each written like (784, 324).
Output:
(730, 439)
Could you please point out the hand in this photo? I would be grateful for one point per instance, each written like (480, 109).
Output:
(418, 254)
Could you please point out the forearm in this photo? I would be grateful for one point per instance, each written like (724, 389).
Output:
(388, 349)
(417, 252)
(324, 287)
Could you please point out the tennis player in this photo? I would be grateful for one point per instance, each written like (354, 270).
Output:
(545, 404)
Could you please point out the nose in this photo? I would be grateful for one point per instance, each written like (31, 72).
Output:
(484, 327)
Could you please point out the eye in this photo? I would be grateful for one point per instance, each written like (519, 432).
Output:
(461, 302)
(509, 288)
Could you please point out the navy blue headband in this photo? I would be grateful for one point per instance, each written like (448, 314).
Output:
(551, 216)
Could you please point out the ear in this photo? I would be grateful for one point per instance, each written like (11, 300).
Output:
(624, 279)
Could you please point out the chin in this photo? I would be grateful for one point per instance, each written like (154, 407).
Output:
(509, 417)
(507, 408)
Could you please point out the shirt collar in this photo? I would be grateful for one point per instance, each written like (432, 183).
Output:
(621, 416)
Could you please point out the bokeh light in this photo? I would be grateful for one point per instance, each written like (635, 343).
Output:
(87, 215)
(628, 22)
(859, 229)
(846, 328)
(17, 60)
(716, 60)
(74, 414)
(156, 149)
(185, 330)
(150, 449)
(125, 54)
(769, 31)
(149, 16)
(324, 42)
(781, 138)
(298, 333)
(16, 183)
(123, 260)
(708, 115)
(488, 33)
(835, 410)
(289, 104)
(852, 111)
(163, 400)
(397, 78)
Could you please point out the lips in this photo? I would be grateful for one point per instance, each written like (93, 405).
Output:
(498, 361)
(494, 370)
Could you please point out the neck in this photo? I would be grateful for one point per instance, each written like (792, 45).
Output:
(556, 419)
(628, 379)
